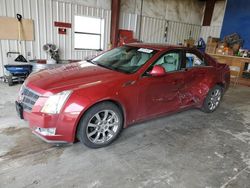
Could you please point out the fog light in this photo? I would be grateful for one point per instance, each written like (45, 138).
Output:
(46, 131)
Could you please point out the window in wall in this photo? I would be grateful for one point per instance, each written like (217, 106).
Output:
(89, 33)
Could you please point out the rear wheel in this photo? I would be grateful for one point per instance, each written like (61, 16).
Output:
(213, 99)
(100, 125)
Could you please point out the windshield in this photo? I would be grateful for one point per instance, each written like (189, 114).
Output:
(125, 59)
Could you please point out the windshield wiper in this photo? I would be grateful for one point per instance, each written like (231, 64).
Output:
(99, 64)
(90, 61)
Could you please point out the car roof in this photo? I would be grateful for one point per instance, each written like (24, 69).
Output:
(154, 46)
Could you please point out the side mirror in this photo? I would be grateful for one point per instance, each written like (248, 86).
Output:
(157, 71)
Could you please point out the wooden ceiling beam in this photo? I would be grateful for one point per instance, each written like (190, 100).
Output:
(208, 14)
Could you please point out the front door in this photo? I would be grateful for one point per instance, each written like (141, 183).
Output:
(161, 94)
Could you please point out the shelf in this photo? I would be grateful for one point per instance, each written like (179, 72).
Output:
(234, 61)
(243, 81)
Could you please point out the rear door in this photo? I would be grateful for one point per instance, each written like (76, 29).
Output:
(198, 74)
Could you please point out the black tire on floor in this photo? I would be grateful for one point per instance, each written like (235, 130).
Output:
(10, 80)
(87, 117)
(211, 94)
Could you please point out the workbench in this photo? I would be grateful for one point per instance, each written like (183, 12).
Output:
(234, 61)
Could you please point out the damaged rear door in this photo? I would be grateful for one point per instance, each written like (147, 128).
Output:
(199, 77)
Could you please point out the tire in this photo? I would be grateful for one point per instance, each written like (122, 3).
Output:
(100, 125)
(212, 100)
(10, 80)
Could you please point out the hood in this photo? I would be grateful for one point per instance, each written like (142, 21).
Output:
(70, 76)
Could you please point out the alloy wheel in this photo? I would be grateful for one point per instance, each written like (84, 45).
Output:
(102, 127)
(214, 100)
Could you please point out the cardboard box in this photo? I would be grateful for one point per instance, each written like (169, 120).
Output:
(211, 48)
(189, 43)
(212, 45)
(212, 40)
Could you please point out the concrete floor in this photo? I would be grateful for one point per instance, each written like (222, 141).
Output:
(189, 149)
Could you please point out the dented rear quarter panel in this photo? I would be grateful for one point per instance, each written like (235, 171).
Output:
(222, 71)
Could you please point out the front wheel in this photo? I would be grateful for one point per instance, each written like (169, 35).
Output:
(100, 125)
(213, 99)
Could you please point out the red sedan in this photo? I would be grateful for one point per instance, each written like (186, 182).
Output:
(93, 100)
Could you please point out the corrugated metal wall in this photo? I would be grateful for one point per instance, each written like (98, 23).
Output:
(129, 21)
(44, 13)
(178, 32)
(213, 31)
(153, 29)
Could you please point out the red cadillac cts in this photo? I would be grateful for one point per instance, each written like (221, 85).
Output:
(92, 101)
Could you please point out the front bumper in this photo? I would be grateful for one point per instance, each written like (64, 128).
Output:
(64, 123)
(42, 137)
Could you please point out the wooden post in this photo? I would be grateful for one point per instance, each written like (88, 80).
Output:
(115, 15)
(208, 12)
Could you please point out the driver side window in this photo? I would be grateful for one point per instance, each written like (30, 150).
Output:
(170, 61)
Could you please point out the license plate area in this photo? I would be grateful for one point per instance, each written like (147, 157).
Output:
(19, 110)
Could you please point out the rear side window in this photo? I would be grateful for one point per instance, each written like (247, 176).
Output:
(192, 60)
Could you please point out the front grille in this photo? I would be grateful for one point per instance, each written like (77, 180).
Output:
(29, 98)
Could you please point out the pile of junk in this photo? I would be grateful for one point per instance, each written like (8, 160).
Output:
(18, 68)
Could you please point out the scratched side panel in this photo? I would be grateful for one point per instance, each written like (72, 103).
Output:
(198, 83)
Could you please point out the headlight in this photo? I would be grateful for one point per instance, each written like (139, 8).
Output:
(55, 102)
